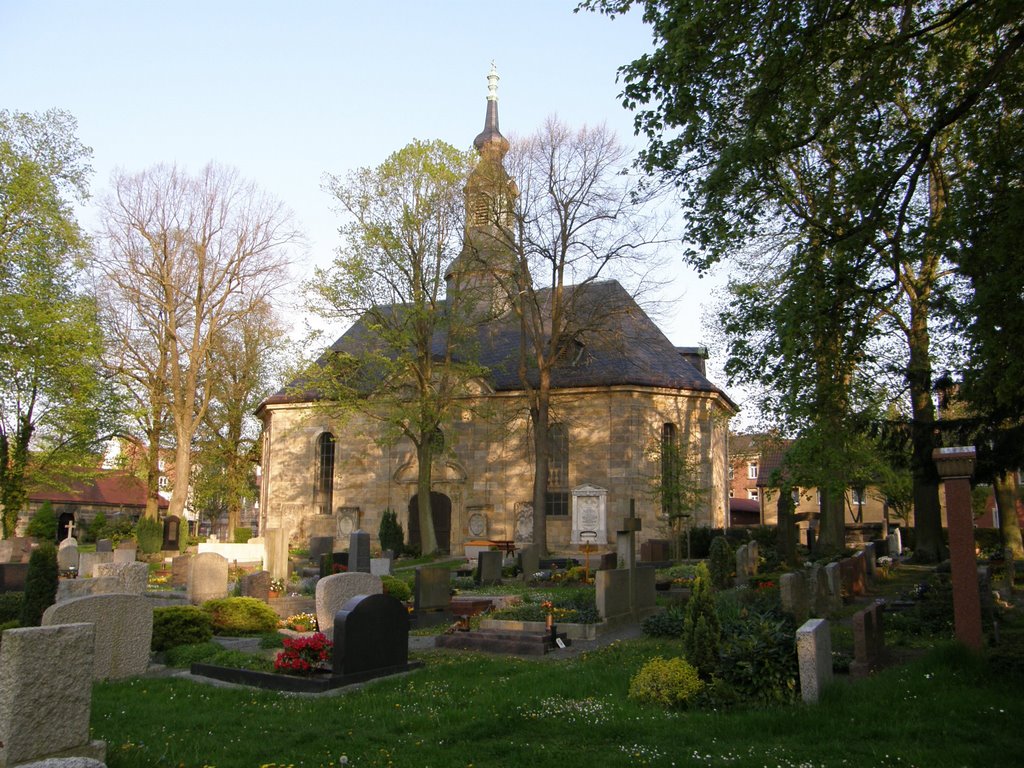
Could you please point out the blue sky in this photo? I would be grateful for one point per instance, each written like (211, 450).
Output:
(287, 92)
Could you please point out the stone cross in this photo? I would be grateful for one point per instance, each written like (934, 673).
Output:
(71, 528)
(630, 525)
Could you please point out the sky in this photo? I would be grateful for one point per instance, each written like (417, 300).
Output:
(286, 92)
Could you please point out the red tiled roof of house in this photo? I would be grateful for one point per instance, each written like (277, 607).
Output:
(110, 488)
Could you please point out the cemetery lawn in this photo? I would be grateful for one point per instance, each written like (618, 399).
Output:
(948, 708)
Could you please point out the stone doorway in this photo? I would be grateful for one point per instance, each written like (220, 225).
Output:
(441, 511)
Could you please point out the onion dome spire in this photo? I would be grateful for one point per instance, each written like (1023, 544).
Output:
(490, 138)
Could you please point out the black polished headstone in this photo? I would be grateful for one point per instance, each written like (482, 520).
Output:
(319, 546)
(172, 534)
(432, 588)
(370, 633)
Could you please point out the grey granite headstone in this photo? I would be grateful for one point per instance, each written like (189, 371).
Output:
(870, 563)
(833, 578)
(742, 569)
(208, 578)
(67, 557)
(380, 566)
(332, 592)
(87, 561)
(124, 631)
(70, 541)
(894, 541)
(753, 556)
(359, 552)
(256, 585)
(817, 587)
(125, 554)
(529, 560)
(432, 589)
(320, 545)
(180, 567)
(793, 592)
(814, 653)
(104, 545)
(489, 567)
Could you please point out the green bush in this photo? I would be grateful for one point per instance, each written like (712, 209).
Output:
(702, 631)
(10, 605)
(150, 535)
(43, 524)
(185, 655)
(243, 534)
(240, 616)
(758, 658)
(668, 623)
(98, 527)
(666, 682)
(390, 533)
(180, 625)
(721, 563)
(40, 584)
(397, 588)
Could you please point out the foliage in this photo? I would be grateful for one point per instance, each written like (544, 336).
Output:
(180, 625)
(668, 623)
(403, 227)
(40, 584)
(304, 655)
(758, 658)
(679, 488)
(242, 535)
(721, 563)
(701, 629)
(51, 396)
(670, 683)
(149, 533)
(186, 654)
(43, 524)
(240, 616)
(702, 536)
(390, 533)
(10, 606)
(931, 614)
(576, 606)
(397, 588)
(212, 653)
(98, 527)
(300, 622)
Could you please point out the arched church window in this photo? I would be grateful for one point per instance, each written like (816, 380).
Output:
(557, 499)
(324, 496)
(670, 470)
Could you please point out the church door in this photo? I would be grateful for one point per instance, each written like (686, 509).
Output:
(65, 526)
(441, 511)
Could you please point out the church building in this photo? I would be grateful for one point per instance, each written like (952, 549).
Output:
(624, 393)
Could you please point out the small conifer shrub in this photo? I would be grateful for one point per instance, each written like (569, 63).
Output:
(670, 683)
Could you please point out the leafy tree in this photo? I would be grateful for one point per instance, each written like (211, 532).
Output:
(43, 524)
(845, 124)
(183, 260)
(403, 221)
(53, 403)
(680, 488)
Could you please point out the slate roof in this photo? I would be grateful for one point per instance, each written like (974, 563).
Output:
(618, 345)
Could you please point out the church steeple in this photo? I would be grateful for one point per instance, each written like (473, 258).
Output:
(481, 273)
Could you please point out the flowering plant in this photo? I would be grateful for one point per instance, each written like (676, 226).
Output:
(277, 585)
(303, 655)
(301, 622)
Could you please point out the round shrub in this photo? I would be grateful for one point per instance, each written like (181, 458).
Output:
(40, 584)
(668, 623)
(721, 563)
(666, 682)
(43, 524)
(240, 616)
(180, 625)
(397, 588)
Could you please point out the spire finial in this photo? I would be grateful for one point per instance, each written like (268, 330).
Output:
(492, 83)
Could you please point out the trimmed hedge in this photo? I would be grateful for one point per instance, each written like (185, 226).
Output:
(180, 625)
(240, 616)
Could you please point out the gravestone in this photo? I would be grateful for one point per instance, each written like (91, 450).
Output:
(319, 546)
(654, 551)
(818, 592)
(347, 520)
(46, 693)
(123, 635)
(489, 567)
(333, 592)
(207, 578)
(125, 553)
(277, 553)
(895, 542)
(371, 633)
(67, 556)
(128, 578)
(742, 570)
(477, 524)
(870, 564)
(623, 550)
(833, 578)
(172, 534)
(753, 557)
(359, 552)
(868, 640)
(793, 592)
(589, 515)
(529, 561)
(881, 548)
(814, 654)
(180, 567)
(609, 561)
(256, 585)
(380, 566)
(87, 561)
(17, 549)
(524, 523)
(12, 577)
(432, 589)
(612, 592)
(104, 545)
(69, 541)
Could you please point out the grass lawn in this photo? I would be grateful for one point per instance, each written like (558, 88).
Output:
(946, 709)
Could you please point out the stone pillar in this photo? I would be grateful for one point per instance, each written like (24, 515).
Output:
(277, 553)
(956, 465)
(359, 552)
(814, 652)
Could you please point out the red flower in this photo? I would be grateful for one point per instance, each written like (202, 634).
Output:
(303, 655)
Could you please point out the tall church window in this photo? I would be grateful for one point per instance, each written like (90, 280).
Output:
(670, 461)
(557, 499)
(324, 497)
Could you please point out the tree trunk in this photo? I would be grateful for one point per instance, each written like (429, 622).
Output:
(182, 476)
(540, 415)
(928, 547)
(428, 537)
(13, 463)
(153, 476)
(1009, 526)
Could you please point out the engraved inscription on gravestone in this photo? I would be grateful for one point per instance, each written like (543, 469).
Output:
(589, 513)
(524, 523)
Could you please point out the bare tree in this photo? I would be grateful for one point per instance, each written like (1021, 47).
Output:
(182, 259)
(581, 215)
